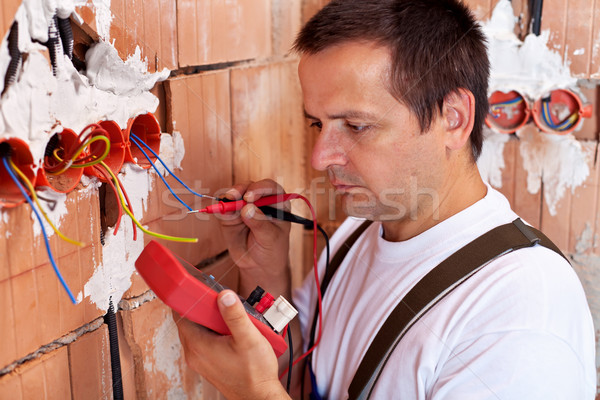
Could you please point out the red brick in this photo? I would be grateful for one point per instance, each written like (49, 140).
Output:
(555, 19)
(199, 110)
(71, 315)
(584, 206)
(265, 100)
(213, 32)
(511, 152)
(526, 204)
(481, 8)
(20, 256)
(158, 359)
(8, 349)
(134, 25)
(138, 286)
(57, 374)
(595, 50)
(4, 263)
(10, 387)
(7, 14)
(90, 257)
(26, 322)
(286, 22)
(47, 377)
(127, 361)
(89, 360)
(580, 22)
(49, 291)
(118, 28)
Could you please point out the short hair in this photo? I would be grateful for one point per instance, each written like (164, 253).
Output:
(437, 47)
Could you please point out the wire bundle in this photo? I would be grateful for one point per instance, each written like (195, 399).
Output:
(496, 108)
(565, 125)
(57, 160)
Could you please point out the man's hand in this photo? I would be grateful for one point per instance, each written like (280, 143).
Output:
(241, 366)
(257, 244)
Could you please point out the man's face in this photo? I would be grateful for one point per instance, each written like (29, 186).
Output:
(369, 143)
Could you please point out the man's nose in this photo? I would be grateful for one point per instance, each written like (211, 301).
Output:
(328, 150)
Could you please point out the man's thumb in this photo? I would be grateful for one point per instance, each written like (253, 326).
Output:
(234, 314)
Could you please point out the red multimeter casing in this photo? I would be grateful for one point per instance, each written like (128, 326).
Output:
(193, 298)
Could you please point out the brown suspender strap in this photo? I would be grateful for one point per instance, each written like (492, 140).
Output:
(435, 286)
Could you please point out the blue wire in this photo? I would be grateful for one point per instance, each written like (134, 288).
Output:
(164, 165)
(158, 172)
(39, 218)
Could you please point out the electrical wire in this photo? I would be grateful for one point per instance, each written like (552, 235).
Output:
(122, 189)
(317, 281)
(495, 108)
(39, 218)
(132, 135)
(73, 160)
(135, 141)
(118, 199)
(291, 360)
(126, 209)
(35, 199)
(562, 126)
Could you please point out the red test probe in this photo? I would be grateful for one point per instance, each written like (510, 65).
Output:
(230, 206)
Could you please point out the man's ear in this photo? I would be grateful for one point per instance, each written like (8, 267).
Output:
(459, 118)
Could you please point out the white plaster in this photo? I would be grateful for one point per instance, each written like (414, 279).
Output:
(491, 159)
(579, 52)
(172, 151)
(585, 241)
(167, 355)
(104, 18)
(55, 214)
(558, 161)
(113, 276)
(107, 72)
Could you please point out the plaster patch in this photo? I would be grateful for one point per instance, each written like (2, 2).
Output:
(491, 159)
(167, 354)
(172, 151)
(107, 72)
(558, 161)
(55, 208)
(112, 277)
(104, 18)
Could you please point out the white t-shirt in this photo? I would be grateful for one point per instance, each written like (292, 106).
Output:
(520, 328)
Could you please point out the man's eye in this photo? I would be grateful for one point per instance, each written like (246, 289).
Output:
(358, 128)
(316, 124)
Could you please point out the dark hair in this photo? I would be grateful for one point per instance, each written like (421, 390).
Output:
(437, 47)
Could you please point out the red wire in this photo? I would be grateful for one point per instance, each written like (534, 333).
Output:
(128, 205)
(119, 206)
(319, 297)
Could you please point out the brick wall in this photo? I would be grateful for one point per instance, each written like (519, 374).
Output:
(234, 97)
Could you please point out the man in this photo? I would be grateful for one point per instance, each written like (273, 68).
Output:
(397, 90)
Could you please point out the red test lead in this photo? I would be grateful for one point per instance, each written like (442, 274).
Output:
(230, 206)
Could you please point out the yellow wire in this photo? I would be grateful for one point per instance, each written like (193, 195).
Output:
(123, 203)
(35, 198)
(78, 153)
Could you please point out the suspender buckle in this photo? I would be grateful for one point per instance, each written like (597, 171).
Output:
(528, 233)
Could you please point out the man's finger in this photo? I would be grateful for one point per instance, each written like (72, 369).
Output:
(234, 315)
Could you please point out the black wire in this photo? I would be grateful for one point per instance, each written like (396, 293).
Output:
(291, 361)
